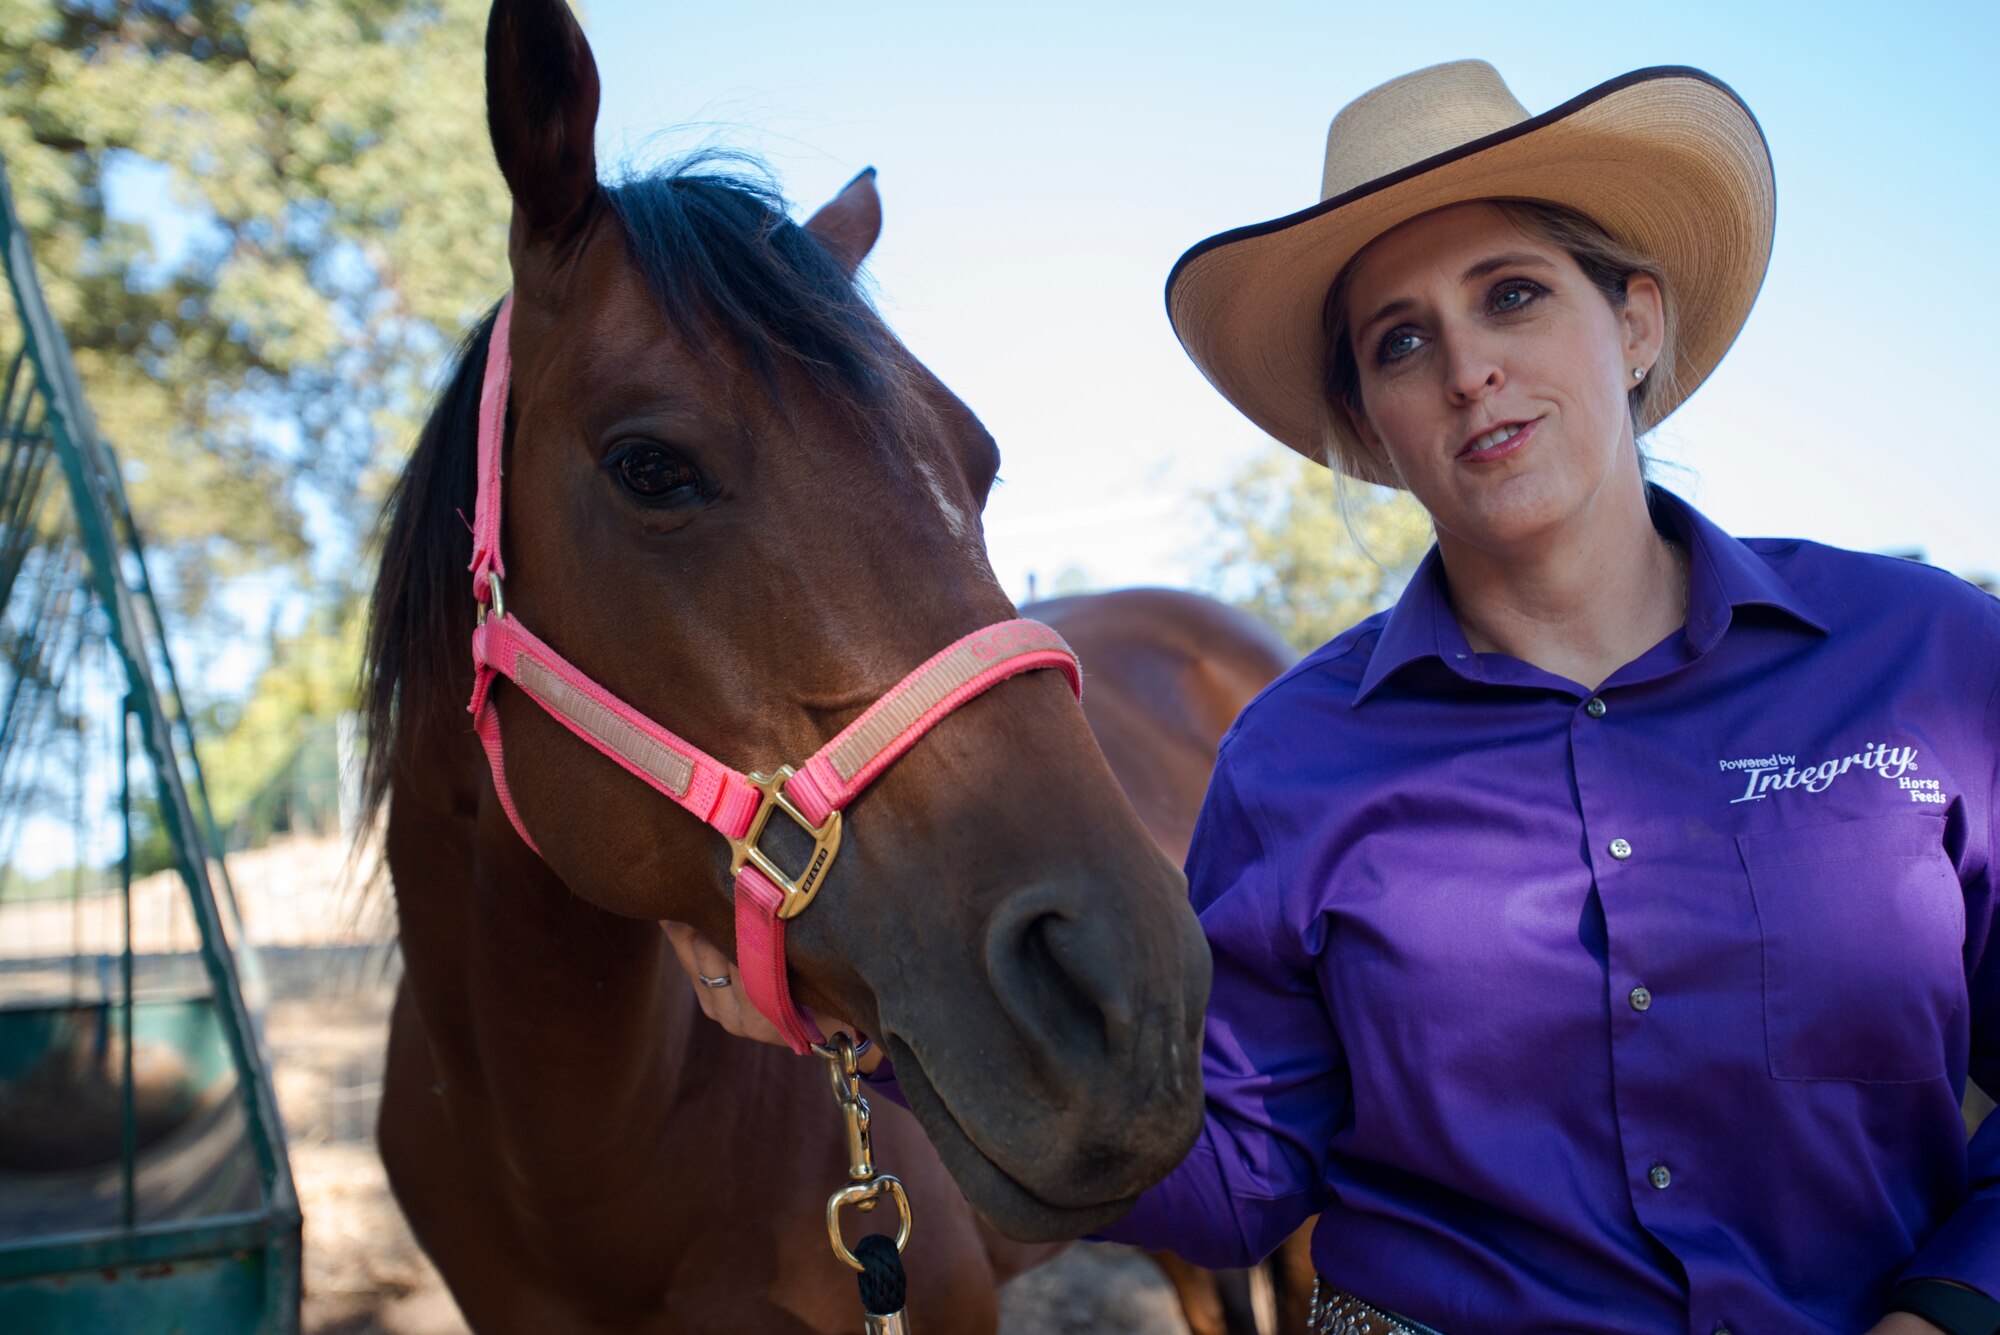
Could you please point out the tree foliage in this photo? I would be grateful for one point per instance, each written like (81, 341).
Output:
(1287, 553)
(336, 218)
(307, 682)
(343, 219)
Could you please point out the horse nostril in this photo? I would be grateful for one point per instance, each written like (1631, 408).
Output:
(1060, 974)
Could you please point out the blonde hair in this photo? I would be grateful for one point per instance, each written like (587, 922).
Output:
(1607, 262)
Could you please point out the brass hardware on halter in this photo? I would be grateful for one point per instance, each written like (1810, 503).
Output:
(798, 893)
(865, 1187)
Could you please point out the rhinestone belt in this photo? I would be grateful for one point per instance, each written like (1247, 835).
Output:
(1335, 1312)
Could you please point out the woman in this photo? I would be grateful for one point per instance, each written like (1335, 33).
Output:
(1604, 934)
(1601, 935)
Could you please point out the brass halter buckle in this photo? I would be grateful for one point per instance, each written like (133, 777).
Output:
(798, 892)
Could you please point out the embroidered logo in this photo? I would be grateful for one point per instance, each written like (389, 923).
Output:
(1782, 773)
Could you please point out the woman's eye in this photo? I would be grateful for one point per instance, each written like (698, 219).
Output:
(1514, 295)
(1396, 344)
(653, 474)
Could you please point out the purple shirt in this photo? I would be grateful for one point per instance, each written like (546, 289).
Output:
(1649, 1008)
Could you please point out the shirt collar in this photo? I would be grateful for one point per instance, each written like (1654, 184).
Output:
(1419, 626)
(1723, 575)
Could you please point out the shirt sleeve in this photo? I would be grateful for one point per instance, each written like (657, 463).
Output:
(1274, 1079)
(1967, 1249)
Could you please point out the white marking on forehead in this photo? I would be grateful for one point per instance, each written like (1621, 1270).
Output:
(955, 517)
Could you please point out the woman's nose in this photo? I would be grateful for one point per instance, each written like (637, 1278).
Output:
(1471, 371)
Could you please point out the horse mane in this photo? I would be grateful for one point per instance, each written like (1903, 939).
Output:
(721, 257)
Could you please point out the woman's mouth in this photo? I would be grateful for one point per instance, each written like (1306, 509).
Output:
(1498, 442)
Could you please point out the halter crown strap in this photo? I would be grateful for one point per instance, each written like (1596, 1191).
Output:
(486, 560)
(734, 804)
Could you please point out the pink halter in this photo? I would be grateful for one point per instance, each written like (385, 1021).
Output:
(737, 805)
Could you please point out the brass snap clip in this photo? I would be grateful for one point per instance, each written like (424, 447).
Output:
(865, 1187)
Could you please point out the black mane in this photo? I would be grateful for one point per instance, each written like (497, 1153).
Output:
(719, 249)
(720, 255)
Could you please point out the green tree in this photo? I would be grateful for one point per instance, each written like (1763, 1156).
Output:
(1295, 551)
(262, 380)
(307, 683)
(345, 218)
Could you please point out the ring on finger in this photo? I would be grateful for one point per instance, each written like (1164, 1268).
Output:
(720, 980)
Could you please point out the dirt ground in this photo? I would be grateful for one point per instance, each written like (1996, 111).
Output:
(364, 1274)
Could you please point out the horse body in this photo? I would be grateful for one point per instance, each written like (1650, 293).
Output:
(737, 503)
(1166, 673)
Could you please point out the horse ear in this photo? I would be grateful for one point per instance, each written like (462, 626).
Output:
(541, 109)
(848, 224)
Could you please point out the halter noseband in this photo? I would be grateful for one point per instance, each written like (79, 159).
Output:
(736, 805)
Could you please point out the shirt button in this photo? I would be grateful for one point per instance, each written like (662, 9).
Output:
(1660, 1177)
(1620, 849)
(1595, 708)
(1640, 998)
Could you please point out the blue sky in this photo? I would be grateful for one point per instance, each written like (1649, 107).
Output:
(1042, 166)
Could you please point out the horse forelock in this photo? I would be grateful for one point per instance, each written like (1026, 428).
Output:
(720, 255)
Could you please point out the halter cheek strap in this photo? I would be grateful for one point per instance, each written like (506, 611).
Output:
(736, 805)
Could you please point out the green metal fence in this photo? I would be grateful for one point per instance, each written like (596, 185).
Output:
(143, 1179)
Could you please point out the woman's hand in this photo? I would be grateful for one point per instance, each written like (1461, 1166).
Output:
(1904, 1323)
(726, 1003)
(723, 1002)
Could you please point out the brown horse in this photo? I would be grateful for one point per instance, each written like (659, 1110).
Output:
(735, 500)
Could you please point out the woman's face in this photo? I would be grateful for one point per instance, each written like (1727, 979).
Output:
(1493, 375)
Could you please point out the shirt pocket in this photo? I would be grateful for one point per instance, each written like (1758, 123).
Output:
(1863, 925)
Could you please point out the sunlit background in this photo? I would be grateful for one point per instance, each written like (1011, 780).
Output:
(1043, 165)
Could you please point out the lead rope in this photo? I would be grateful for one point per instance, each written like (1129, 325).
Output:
(879, 1267)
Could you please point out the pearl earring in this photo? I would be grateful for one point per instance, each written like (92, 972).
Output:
(1638, 373)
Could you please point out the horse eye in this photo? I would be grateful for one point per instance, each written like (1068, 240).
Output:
(652, 473)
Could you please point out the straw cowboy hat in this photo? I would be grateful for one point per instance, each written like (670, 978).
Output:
(1666, 160)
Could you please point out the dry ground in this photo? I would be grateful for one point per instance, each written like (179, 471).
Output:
(364, 1274)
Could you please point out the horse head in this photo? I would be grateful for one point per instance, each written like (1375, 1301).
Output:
(735, 500)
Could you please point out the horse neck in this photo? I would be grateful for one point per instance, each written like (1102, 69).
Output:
(562, 1023)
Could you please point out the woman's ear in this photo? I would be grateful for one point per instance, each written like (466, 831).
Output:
(1643, 321)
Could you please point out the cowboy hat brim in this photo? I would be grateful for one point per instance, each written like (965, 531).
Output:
(1668, 160)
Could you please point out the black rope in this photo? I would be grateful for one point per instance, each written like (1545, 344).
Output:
(881, 1278)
